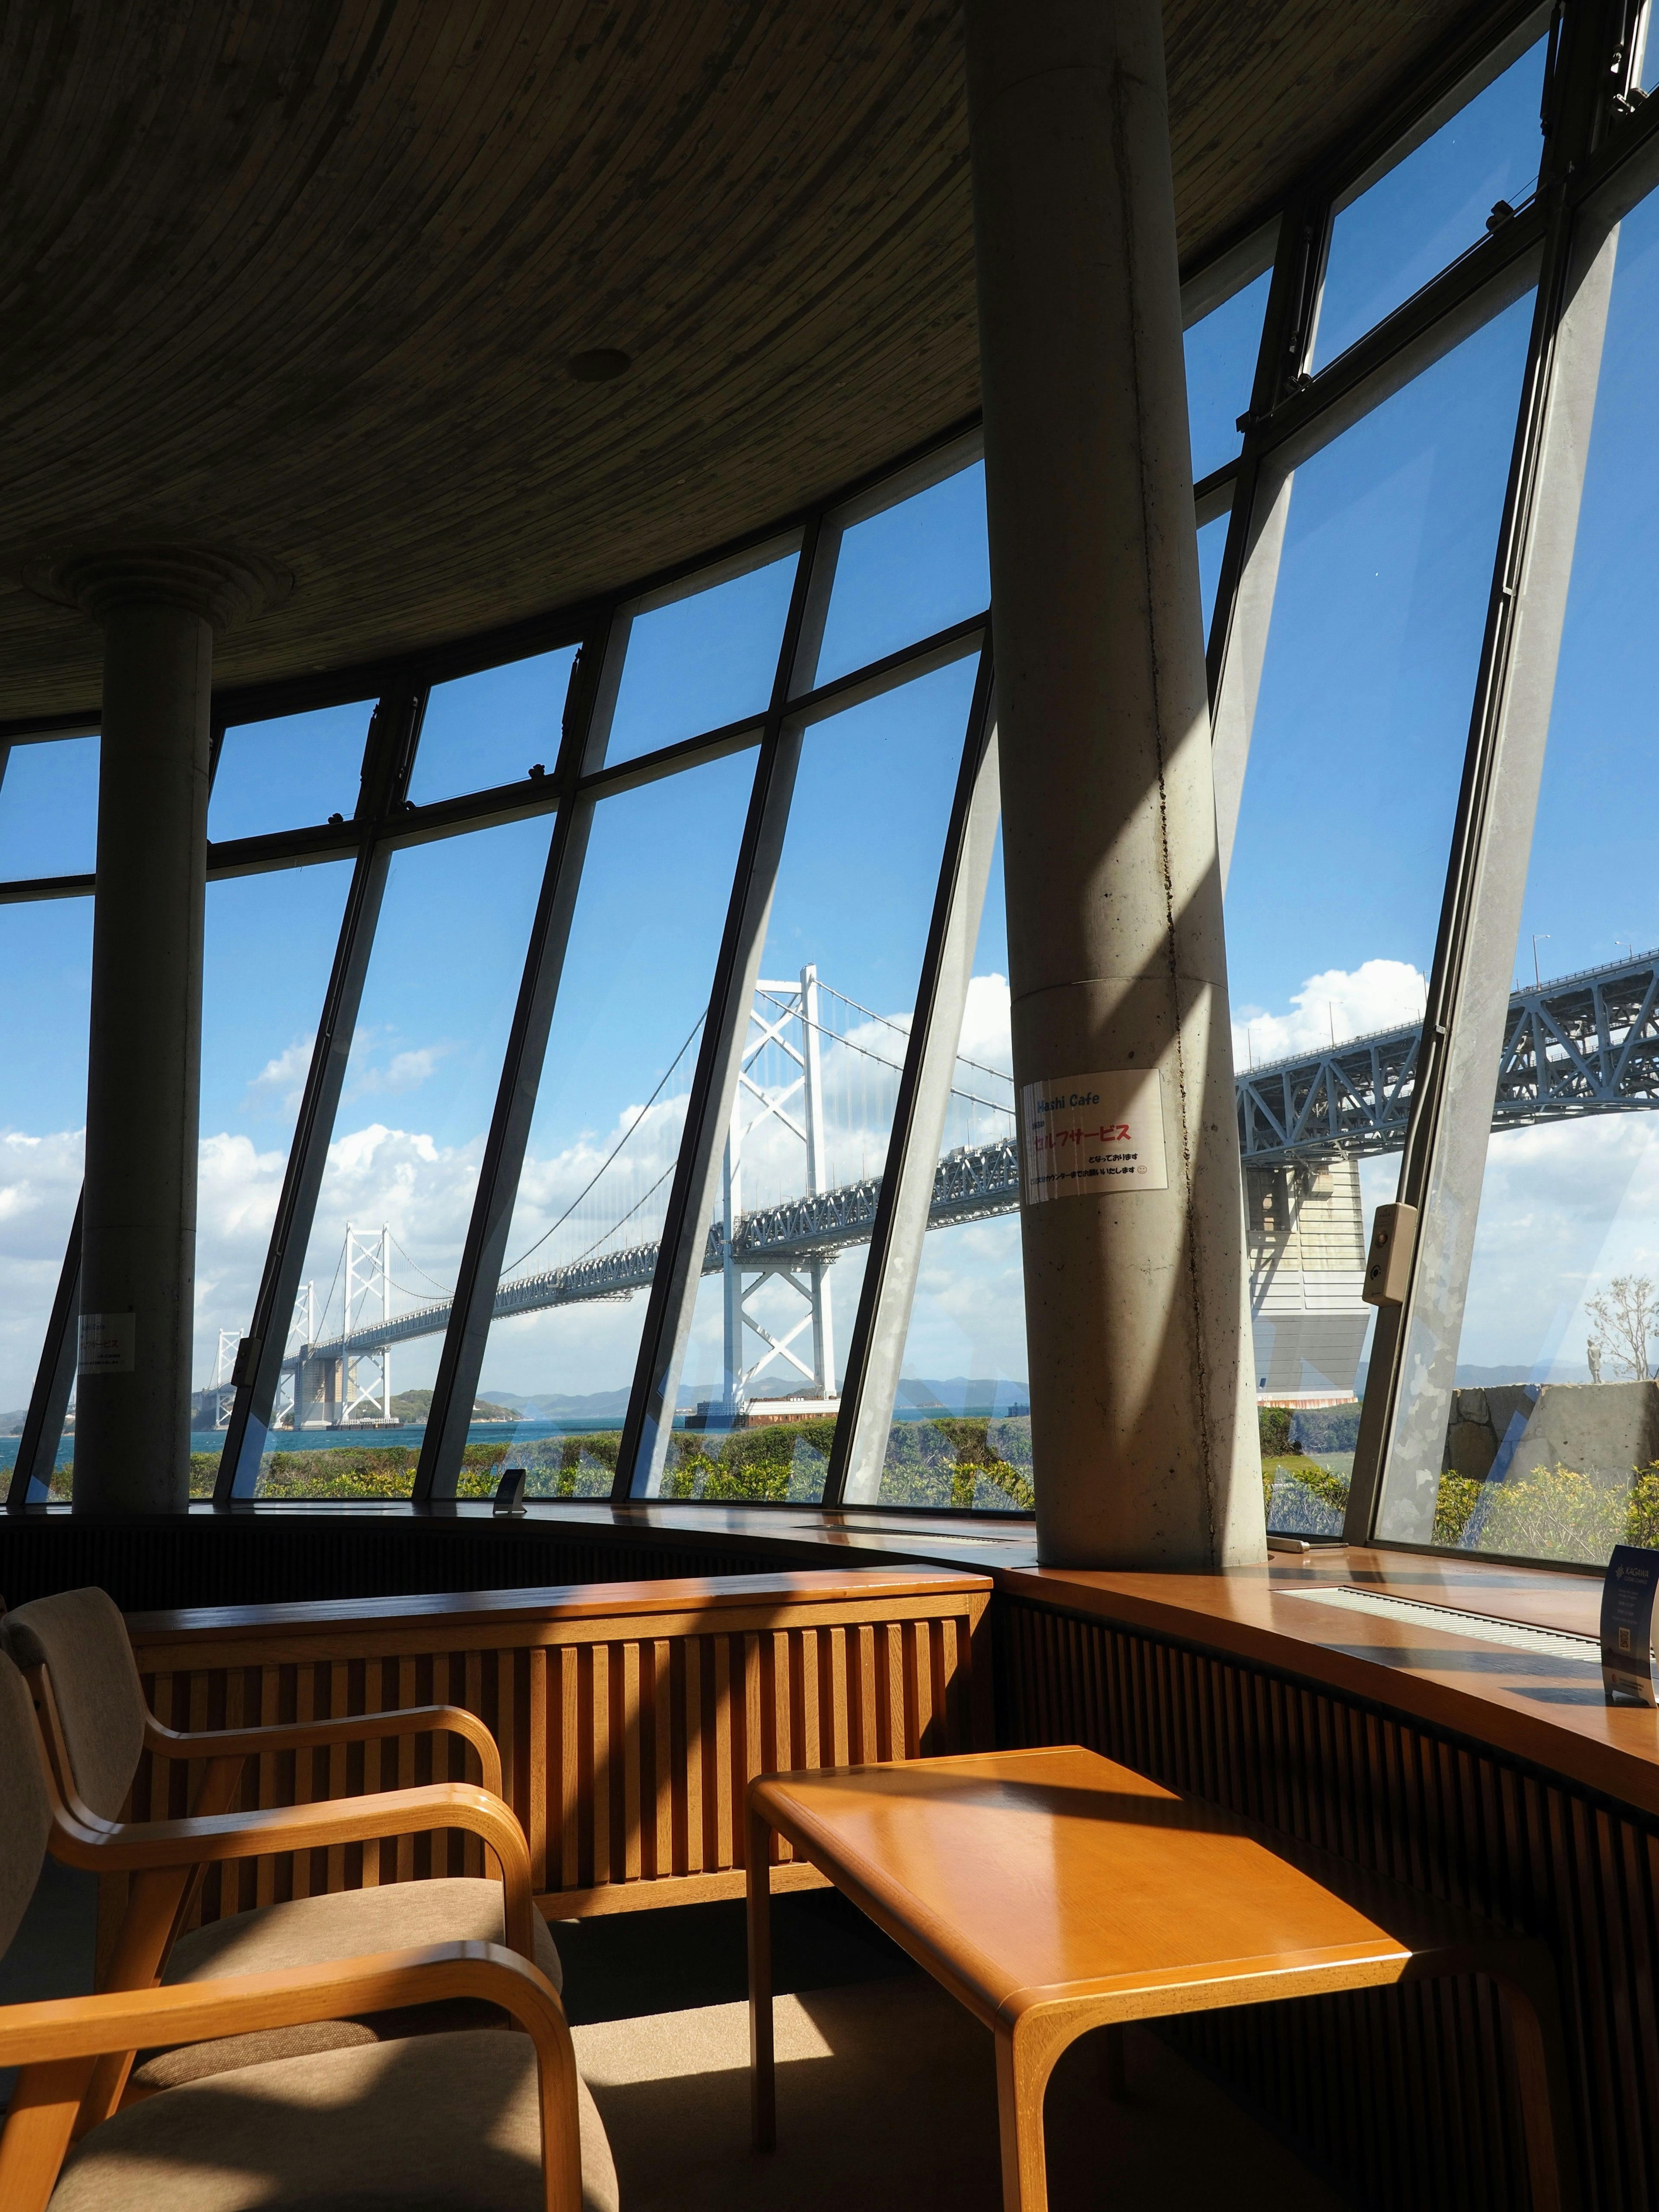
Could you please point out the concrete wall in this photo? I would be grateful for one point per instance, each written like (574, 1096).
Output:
(1596, 1428)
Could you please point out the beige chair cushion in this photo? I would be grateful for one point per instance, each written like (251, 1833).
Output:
(437, 2123)
(81, 1640)
(347, 1923)
(25, 1813)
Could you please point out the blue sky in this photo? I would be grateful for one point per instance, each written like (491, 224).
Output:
(1332, 908)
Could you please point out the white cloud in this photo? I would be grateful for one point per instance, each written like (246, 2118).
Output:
(987, 1030)
(1564, 1206)
(1378, 994)
(280, 1084)
(39, 1183)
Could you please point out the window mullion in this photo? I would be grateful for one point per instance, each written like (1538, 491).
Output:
(461, 1361)
(898, 1233)
(259, 1360)
(650, 1418)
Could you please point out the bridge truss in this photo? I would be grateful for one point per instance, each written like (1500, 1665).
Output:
(1586, 1043)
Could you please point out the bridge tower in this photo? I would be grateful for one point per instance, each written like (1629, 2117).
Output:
(223, 1385)
(367, 1269)
(785, 1015)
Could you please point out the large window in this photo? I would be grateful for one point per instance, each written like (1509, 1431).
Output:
(1528, 1417)
(807, 1141)
(583, 1246)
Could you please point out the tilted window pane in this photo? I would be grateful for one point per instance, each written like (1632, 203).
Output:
(49, 809)
(288, 773)
(702, 659)
(1549, 1417)
(1221, 353)
(961, 1433)
(1432, 206)
(403, 1161)
(257, 1043)
(492, 728)
(825, 1046)
(1338, 864)
(1212, 545)
(609, 1113)
(906, 572)
(45, 989)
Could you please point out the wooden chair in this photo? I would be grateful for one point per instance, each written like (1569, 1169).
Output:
(475, 2123)
(94, 1723)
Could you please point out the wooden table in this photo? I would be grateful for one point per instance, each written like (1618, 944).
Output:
(1053, 1892)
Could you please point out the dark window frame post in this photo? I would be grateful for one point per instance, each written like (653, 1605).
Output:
(388, 757)
(592, 694)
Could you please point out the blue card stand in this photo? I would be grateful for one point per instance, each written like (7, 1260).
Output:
(509, 1494)
(1627, 1596)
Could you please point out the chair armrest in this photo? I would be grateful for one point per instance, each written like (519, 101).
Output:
(350, 1727)
(138, 1847)
(54, 2035)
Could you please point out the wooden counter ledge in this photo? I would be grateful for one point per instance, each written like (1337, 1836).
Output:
(1536, 1701)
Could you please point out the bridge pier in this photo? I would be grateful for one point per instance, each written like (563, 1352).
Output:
(1142, 1412)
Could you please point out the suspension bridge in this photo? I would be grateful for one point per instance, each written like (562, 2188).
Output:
(815, 1093)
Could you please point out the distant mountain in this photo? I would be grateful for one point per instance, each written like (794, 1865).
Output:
(1480, 1378)
(550, 1407)
(11, 1424)
(955, 1393)
(1485, 1378)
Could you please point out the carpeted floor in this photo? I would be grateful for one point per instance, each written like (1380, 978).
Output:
(887, 2098)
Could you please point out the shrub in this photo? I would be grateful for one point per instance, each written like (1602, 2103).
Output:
(1275, 1424)
(1553, 1513)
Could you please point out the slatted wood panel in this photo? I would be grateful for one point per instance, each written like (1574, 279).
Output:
(1403, 2098)
(626, 1742)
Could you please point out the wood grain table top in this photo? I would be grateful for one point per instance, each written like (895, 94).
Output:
(1026, 1878)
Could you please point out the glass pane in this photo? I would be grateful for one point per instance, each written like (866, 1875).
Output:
(610, 1111)
(403, 1163)
(1221, 353)
(1553, 1429)
(46, 990)
(760, 1389)
(1212, 545)
(49, 809)
(1356, 751)
(914, 568)
(961, 1434)
(492, 728)
(288, 773)
(1432, 206)
(282, 930)
(702, 660)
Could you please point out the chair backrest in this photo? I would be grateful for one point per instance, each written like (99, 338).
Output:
(81, 1640)
(25, 1821)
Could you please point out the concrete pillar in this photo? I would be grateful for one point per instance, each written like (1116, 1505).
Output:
(158, 607)
(1142, 1410)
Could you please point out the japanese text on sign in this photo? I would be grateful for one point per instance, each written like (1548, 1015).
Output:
(1087, 1136)
(106, 1346)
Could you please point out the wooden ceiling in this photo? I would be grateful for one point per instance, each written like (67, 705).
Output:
(310, 277)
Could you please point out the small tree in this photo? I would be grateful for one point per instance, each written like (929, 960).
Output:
(1626, 1314)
